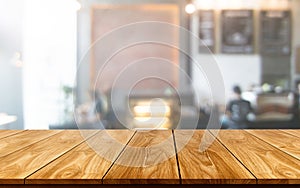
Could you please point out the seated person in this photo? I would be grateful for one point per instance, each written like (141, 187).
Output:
(237, 111)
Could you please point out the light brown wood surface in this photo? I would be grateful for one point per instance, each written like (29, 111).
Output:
(280, 139)
(149, 158)
(23, 139)
(15, 167)
(267, 163)
(213, 166)
(6, 133)
(85, 164)
(292, 132)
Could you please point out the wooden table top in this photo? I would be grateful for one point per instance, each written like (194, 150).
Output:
(149, 157)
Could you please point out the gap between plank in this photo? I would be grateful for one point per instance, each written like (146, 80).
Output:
(13, 134)
(117, 157)
(289, 133)
(274, 145)
(256, 179)
(29, 144)
(178, 167)
(61, 154)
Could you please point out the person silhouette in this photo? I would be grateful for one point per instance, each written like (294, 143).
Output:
(237, 111)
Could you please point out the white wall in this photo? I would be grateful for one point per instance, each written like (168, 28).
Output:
(242, 70)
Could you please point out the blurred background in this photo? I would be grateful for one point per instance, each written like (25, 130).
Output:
(51, 53)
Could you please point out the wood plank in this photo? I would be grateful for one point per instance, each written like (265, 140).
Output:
(85, 164)
(149, 158)
(22, 163)
(285, 142)
(214, 166)
(23, 139)
(268, 164)
(294, 132)
(6, 133)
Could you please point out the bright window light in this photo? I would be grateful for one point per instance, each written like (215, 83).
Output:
(151, 122)
(49, 55)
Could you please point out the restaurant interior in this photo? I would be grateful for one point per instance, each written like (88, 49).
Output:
(149, 64)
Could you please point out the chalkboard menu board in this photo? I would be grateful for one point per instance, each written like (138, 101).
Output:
(237, 31)
(206, 30)
(275, 32)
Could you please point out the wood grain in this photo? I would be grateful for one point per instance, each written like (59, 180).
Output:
(213, 166)
(85, 164)
(292, 132)
(268, 164)
(23, 139)
(20, 164)
(149, 158)
(6, 133)
(283, 141)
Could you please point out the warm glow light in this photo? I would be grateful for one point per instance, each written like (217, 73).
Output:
(275, 4)
(190, 8)
(152, 114)
(154, 110)
(147, 129)
(142, 119)
(152, 122)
